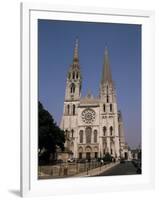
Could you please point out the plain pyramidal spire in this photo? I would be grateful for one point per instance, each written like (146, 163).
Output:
(75, 55)
(106, 73)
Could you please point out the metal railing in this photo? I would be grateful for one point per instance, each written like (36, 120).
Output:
(67, 169)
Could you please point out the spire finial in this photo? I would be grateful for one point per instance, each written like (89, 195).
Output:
(75, 56)
(106, 74)
(106, 51)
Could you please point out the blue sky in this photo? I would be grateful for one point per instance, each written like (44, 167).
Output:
(55, 53)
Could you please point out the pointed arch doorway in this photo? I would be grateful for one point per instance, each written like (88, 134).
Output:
(88, 153)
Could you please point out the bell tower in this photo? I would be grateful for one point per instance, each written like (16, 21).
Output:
(108, 111)
(72, 99)
(74, 79)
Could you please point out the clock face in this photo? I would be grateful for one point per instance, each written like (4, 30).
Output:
(88, 116)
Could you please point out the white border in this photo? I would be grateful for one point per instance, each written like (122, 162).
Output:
(29, 183)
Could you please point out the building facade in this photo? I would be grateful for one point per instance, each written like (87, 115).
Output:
(93, 125)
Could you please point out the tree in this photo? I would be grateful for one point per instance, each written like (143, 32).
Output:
(107, 158)
(50, 136)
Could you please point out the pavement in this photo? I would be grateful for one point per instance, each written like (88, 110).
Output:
(97, 171)
(126, 168)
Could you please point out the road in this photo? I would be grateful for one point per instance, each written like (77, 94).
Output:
(126, 168)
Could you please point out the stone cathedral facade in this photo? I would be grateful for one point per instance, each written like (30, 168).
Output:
(93, 125)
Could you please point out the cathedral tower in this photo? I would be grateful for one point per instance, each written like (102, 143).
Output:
(74, 79)
(71, 102)
(109, 111)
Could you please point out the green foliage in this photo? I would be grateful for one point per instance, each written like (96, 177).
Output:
(107, 157)
(50, 135)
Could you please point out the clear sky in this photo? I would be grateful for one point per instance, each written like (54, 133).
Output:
(55, 53)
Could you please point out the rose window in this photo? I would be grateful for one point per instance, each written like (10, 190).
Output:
(88, 116)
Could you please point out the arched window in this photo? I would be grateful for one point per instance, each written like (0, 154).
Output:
(88, 134)
(107, 99)
(73, 75)
(103, 107)
(95, 136)
(72, 88)
(77, 75)
(68, 109)
(111, 109)
(72, 132)
(73, 110)
(111, 130)
(104, 131)
(81, 136)
(111, 151)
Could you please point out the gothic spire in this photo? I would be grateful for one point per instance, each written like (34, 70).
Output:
(75, 55)
(106, 73)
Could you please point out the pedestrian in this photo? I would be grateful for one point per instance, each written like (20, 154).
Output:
(101, 161)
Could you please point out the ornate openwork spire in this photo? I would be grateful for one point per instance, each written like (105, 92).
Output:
(106, 73)
(75, 55)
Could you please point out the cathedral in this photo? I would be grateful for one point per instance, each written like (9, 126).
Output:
(93, 125)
